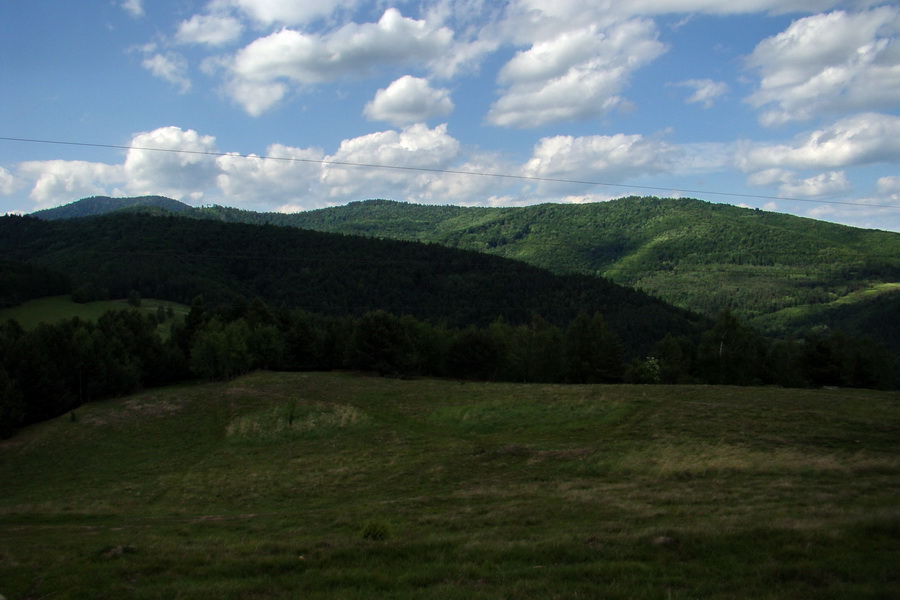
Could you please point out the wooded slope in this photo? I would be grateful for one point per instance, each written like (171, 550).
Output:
(782, 273)
(176, 259)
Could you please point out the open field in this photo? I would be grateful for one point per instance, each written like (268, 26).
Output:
(58, 308)
(336, 485)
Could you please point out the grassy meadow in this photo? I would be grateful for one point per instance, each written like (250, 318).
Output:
(343, 486)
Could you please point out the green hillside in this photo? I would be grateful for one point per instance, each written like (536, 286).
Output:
(784, 274)
(177, 259)
(326, 486)
(696, 254)
(21, 281)
(701, 256)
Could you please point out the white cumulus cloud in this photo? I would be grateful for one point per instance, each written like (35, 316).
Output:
(817, 186)
(286, 12)
(576, 75)
(61, 181)
(529, 20)
(472, 183)
(601, 158)
(211, 30)
(706, 91)
(172, 162)
(186, 165)
(134, 7)
(171, 67)
(829, 63)
(855, 140)
(792, 185)
(286, 176)
(256, 97)
(888, 185)
(717, 7)
(353, 50)
(414, 147)
(9, 183)
(408, 100)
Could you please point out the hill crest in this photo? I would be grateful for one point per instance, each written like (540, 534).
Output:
(102, 205)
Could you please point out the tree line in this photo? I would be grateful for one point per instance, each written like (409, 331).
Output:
(56, 368)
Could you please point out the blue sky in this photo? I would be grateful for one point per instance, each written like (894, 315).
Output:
(786, 105)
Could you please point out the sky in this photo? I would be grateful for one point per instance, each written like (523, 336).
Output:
(287, 105)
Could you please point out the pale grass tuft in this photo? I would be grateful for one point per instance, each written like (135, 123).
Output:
(286, 421)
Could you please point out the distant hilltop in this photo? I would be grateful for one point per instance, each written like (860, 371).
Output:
(101, 205)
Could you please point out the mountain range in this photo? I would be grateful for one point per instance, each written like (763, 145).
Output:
(781, 273)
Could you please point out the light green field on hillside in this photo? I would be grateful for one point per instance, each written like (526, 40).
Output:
(780, 320)
(59, 308)
(336, 485)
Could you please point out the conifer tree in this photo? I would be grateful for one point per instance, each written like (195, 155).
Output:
(592, 352)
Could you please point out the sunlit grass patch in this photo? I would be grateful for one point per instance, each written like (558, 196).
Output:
(293, 420)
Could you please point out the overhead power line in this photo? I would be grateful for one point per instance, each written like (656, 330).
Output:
(451, 172)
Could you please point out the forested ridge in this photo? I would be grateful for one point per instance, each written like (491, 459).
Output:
(782, 273)
(177, 259)
(102, 205)
(21, 281)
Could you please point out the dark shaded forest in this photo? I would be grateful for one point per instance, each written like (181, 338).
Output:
(22, 281)
(177, 259)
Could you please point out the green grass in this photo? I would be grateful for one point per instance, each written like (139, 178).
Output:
(332, 485)
(868, 293)
(59, 308)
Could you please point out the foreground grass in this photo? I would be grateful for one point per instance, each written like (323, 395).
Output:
(343, 486)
